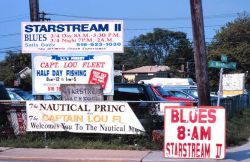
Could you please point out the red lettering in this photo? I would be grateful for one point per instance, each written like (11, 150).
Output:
(185, 150)
(199, 116)
(181, 117)
(70, 64)
(174, 116)
(211, 115)
(205, 134)
(49, 64)
(202, 116)
(167, 149)
(193, 116)
(195, 134)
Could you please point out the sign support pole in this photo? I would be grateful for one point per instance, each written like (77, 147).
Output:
(220, 87)
(45, 140)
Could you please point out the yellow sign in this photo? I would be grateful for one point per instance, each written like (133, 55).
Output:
(232, 93)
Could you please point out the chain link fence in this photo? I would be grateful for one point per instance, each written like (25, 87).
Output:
(16, 111)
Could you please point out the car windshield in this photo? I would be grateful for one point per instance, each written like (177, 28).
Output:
(180, 94)
(130, 93)
(163, 92)
(192, 92)
(25, 95)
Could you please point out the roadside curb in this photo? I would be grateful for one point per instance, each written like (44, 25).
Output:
(5, 148)
(73, 155)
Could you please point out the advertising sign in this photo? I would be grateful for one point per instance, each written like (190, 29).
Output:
(51, 70)
(233, 84)
(74, 36)
(81, 92)
(82, 117)
(194, 132)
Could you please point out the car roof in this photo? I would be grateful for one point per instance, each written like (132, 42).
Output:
(3, 93)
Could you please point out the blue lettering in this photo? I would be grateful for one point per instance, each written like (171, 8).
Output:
(51, 28)
(36, 27)
(28, 28)
(42, 72)
(56, 72)
(76, 28)
(60, 28)
(66, 27)
(43, 29)
(103, 28)
(75, 72)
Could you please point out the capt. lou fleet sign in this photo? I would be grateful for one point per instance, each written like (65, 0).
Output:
(82, 36)
(82, 117)
(194, 132)
(49, 71)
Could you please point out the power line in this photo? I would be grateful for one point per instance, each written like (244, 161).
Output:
(6, 48)
(14, 18)
(149, 19)
(9, 35)
(4, 52)
(166, 28)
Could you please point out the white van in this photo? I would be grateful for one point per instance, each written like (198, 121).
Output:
(171, 82)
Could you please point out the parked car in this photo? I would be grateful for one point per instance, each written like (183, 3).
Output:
(181, 94)
(21, 95)
(3, 92)
(143, 101)
(194, 93)
(169, 96)
(5, 128)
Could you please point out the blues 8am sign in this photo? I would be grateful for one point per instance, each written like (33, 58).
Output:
(49, 71)
(194, 132)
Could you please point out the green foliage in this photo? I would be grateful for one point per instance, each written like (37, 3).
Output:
(9, 68)
(233, 40)
(161, 47)
(238, 129)
(79, 141)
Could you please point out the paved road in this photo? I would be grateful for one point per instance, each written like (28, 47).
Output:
(236, 154)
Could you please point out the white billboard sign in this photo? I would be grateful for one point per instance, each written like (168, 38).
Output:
(194, 132)
(74, 36)
(233, 81)
(233, 84)
(49, 71)
(82, 117)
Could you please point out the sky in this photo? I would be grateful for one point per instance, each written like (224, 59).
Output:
(140, 16)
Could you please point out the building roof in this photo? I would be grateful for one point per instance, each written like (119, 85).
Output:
(147, 69)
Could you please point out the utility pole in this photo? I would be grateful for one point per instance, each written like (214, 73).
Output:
(187, 64)
(34, 10)
(200, 56)
(123, 69)
(42, 18)
(34, 16)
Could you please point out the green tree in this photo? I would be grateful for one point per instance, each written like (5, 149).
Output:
(161, 47)
(232, 40)
(9, 68)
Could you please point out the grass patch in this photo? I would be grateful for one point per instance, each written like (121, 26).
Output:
(238, 129)
(80, 141)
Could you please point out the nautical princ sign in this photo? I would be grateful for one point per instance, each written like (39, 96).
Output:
(82, 117)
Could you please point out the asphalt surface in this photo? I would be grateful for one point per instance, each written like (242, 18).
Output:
(235, 154)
